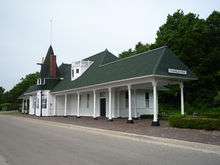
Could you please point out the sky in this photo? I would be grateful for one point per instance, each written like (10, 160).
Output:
(80, 29)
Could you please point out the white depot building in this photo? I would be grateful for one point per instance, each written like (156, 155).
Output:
(105, 85)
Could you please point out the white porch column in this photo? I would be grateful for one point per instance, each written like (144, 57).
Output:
(78, 104)
(25, 106)
(110, 104)
(129, 105)
(182, 98)
(31, 105)
(135, 104)
(22, 106)
(155, 121)
(118, 103)
(65, 105)
(94, 104)
(54, 107)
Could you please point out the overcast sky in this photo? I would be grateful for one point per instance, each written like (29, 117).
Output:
(80, 29)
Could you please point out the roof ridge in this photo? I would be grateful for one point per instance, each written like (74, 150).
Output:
(135, 55)
(158, 62)
(93, 55)
(103, 57)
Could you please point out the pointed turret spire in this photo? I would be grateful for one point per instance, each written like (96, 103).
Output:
(50, 51)
(49, 66)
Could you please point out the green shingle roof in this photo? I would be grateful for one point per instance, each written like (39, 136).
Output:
(107, 68)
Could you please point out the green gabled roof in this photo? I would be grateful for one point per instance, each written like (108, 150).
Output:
(65, 71)
(107, 68)
(108, 57)
(49, 85)
(33, 88)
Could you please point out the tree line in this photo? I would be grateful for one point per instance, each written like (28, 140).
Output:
(9, 99)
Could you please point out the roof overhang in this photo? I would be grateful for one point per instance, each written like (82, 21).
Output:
(130, 81)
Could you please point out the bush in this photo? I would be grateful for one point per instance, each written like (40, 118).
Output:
(202, 110)
(165, 111)
(214, 115)
(5, 106)
(146, 116)
(194, 122)
(9, 106)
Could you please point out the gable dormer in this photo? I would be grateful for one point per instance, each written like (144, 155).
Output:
(79, 67)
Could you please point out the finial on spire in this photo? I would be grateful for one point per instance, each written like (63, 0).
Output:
(51, 31)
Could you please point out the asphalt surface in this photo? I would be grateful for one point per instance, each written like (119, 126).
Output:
(34, 142)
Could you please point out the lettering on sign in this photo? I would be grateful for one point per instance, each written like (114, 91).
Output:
(177, 71)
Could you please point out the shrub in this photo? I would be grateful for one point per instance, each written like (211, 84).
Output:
(167, 110)
(9, 106)
(202, 110)
(5, 106)
(194, 122)
(146, 116)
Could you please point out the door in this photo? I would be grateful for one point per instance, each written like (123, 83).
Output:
(102, 107)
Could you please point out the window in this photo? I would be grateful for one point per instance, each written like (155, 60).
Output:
(88, 96)
(28, 104)
(147, 99)
(77, 70)
(25, 105)
(44, 101)
(126, 99)
(72, 73)
(39, 81)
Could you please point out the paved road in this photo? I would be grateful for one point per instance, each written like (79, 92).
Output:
(33, 142)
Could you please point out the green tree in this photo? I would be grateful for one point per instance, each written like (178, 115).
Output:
(139, 48)
(11, 97)
(127, 53)
(1, 93)
(196, 42)
(23, 85)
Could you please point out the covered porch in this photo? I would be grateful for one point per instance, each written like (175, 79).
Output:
(125, 99)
